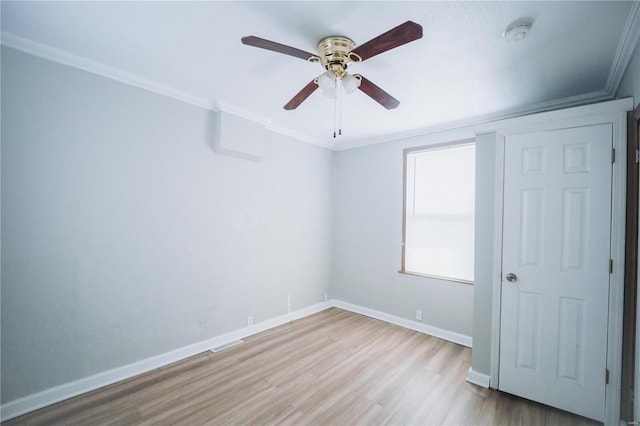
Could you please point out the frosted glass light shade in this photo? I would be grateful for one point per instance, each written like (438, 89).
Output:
(350, 83)
(326, 81)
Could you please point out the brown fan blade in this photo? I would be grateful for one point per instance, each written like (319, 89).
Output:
(402, 34)
(301, 96)
(377, 94)
(276, 47)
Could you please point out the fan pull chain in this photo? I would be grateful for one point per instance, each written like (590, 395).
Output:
(335, 106)
(340, 108)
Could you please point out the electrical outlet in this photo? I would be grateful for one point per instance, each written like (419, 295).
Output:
(418, 314)
(250, 321)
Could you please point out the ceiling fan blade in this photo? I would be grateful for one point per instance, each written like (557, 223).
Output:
(402, 34)
(301, 96)
(276, 47)
(377, 94)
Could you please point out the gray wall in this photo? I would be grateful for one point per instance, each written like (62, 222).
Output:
(125, 236)
(484, 246)
(368, 237)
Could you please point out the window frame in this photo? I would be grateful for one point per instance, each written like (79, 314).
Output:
(405, 153)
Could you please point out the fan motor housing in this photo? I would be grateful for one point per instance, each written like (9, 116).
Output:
(334, 53)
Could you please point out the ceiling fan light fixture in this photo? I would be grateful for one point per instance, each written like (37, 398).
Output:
(326, 81)
(350, 83)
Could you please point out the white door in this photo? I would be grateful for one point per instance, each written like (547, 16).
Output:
(556, 246)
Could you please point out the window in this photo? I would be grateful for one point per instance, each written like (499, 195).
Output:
(439, 206)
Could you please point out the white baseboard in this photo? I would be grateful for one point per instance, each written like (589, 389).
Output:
(478, 378)
(451, 336)
(59, 393)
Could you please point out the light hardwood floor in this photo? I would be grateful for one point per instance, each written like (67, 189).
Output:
(334, 367)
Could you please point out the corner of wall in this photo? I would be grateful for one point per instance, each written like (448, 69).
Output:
(484, 245)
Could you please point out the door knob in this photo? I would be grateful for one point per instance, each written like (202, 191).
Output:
(512, 278)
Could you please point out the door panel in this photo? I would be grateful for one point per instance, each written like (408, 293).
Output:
(532, 225)
(528, 336)
(556, 240)
(571, 341)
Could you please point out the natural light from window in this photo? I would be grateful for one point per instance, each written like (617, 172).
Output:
(439, 211)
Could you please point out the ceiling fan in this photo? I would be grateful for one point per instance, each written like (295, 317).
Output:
(335, 54)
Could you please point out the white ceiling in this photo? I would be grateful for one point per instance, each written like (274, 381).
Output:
(461, 71)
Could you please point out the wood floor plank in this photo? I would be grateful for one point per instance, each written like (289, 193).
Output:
(335, 367)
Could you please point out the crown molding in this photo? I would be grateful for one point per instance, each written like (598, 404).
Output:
(480, 120)
(569, 116)
(65, 58)
(626, 47)
(93, 67)
(301, 136)
(221, 106)
(268, 124)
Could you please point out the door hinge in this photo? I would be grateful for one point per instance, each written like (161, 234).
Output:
(606, 376)
(611, 266)
(637, 155)
(613, 155)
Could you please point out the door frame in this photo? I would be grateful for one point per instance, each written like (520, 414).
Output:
(614, 113)
(629, 350)
(635, 119)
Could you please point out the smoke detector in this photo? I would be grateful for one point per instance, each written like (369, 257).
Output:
(517, 32)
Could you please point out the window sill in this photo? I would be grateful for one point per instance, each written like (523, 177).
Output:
(418, 274)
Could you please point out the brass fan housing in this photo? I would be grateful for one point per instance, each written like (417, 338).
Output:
(335, 54)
